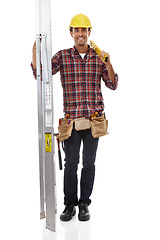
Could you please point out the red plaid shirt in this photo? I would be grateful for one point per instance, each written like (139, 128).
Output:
(81, 81)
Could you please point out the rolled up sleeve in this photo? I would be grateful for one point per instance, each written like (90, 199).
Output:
(112, 84)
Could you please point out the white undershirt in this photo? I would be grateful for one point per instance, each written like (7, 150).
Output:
(82, 55)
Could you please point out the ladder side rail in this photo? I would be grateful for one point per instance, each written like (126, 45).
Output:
(49, 132)
(49, 67)
(40, 126)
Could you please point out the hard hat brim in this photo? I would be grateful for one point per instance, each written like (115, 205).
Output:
(79, 26)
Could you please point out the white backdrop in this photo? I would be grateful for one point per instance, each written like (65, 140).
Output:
(127, 186)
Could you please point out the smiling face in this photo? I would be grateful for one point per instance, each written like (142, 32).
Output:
(80, 37)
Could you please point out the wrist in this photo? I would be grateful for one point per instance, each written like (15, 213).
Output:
(108, 65)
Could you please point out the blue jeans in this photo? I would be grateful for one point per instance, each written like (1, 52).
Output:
(72, 149)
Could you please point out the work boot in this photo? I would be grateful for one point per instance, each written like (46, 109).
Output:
(68, 213)
(83, 212)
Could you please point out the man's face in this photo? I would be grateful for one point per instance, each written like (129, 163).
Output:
(80, 36)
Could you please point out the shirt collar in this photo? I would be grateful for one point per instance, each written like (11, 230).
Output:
(90, 53)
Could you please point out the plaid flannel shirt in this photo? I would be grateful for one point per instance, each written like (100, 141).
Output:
(81, 81)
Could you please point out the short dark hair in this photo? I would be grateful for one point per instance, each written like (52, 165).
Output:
(71, 29)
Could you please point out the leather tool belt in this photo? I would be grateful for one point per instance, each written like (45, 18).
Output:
(98, 125)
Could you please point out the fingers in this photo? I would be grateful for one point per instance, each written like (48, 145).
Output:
(34, 46)
(106, 56)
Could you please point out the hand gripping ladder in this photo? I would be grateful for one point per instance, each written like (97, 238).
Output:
(45, 113)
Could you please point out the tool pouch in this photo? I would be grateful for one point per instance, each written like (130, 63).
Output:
(65, 129)
(82, 124)
(99, 126)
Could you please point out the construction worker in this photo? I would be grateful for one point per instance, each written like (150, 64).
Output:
(81, 71)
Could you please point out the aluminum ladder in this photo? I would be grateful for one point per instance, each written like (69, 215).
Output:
(45, 113)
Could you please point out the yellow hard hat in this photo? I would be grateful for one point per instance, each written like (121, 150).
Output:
(80, 20)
